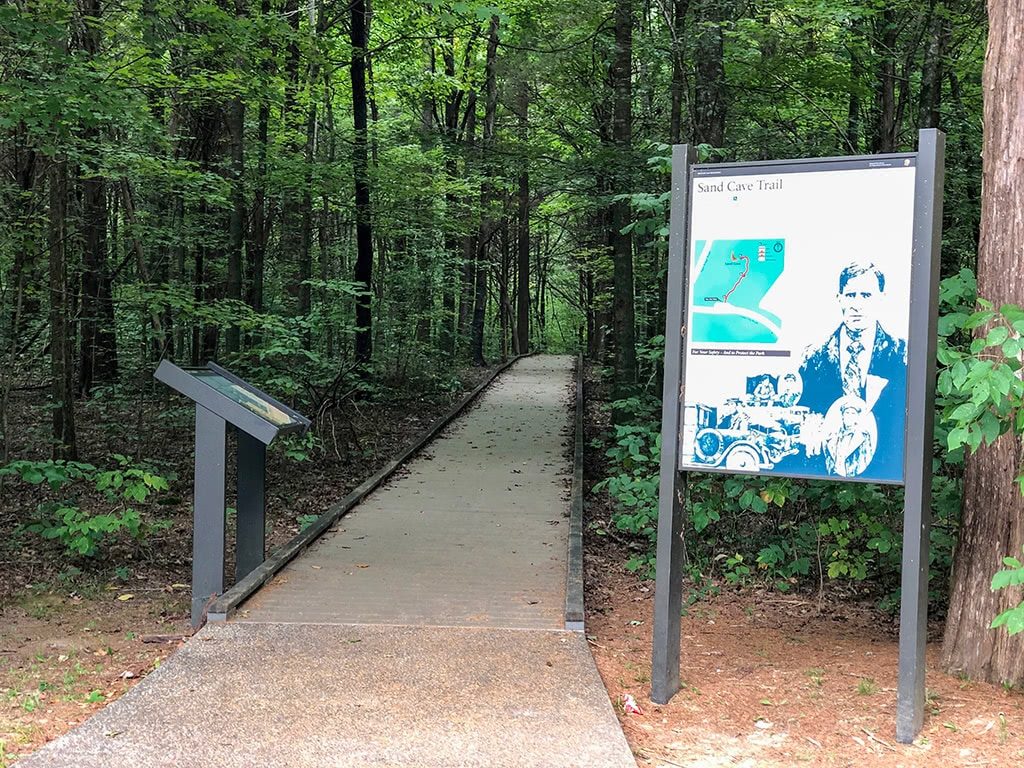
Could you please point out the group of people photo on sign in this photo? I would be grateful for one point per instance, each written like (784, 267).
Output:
(840, 412)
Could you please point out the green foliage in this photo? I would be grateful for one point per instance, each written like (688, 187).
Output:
(1011, 576)
(981, 391)
(81, 532)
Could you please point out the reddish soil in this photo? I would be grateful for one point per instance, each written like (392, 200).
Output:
(770, 681)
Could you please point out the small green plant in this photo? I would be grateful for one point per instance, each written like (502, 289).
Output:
(30, 702)
(305, 521)
(866, 686)
(817, 677)
(94, 697)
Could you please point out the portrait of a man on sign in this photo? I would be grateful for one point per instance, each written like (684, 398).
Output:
(862, 363)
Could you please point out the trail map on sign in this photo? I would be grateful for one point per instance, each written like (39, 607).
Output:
(733, 277)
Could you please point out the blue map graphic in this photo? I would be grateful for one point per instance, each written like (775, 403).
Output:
(733, 277)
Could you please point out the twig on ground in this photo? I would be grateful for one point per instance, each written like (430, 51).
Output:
(877, 740)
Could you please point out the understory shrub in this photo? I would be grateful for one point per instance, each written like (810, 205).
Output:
(82, 532)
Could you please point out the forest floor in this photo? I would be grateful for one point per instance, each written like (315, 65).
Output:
(75, 634)
(772, 679)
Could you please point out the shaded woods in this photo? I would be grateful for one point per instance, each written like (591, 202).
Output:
(340, 198)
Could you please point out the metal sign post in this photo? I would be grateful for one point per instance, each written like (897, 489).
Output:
(803, 293)
(917, 498)
(668, 592)
(221, 399)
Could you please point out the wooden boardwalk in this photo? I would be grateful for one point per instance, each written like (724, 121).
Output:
(427, 630)
(472, 533)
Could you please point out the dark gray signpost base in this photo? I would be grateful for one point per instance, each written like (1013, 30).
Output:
(250, 546)
(668, 592)
(208, 514)
(665, 672)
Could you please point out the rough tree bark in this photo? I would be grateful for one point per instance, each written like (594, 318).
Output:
(993, 515)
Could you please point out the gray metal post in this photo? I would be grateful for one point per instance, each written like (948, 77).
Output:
(917, 462)
(208, 514)
(668, 588)
(250, 536)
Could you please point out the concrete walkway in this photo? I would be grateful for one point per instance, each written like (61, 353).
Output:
(426, 629)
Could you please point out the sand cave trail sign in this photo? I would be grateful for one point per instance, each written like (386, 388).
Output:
(221, 399)
(800, 342)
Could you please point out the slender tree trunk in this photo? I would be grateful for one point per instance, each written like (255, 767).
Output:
(98, 342)
(65, 444)
(469, 240)
(886, 125)
(993, 515)
(622, 242)
(678, 87)
(487, 225)
(503, 298)
(236, 222)
(258, 231)
(522, 338)
(358, 34)
(709, 96)
(854, 107)
(931, 70)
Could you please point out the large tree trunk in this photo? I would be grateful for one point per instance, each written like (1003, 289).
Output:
(65, 446)
(364, 234)
(622, 243)
(993, 516)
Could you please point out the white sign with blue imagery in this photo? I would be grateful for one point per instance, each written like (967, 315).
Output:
(797, 318)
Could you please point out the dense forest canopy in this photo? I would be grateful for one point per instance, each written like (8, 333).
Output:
(328, 195)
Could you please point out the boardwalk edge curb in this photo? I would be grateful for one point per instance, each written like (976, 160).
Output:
(574, 566)
(222, 608)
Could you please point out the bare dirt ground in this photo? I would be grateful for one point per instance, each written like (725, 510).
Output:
(770, 681)
(76, 633)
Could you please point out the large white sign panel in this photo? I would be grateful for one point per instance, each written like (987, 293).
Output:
(798, 308)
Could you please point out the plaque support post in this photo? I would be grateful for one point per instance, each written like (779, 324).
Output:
(924, 286)
(668, 589)
(208, 527)
(250, 538)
